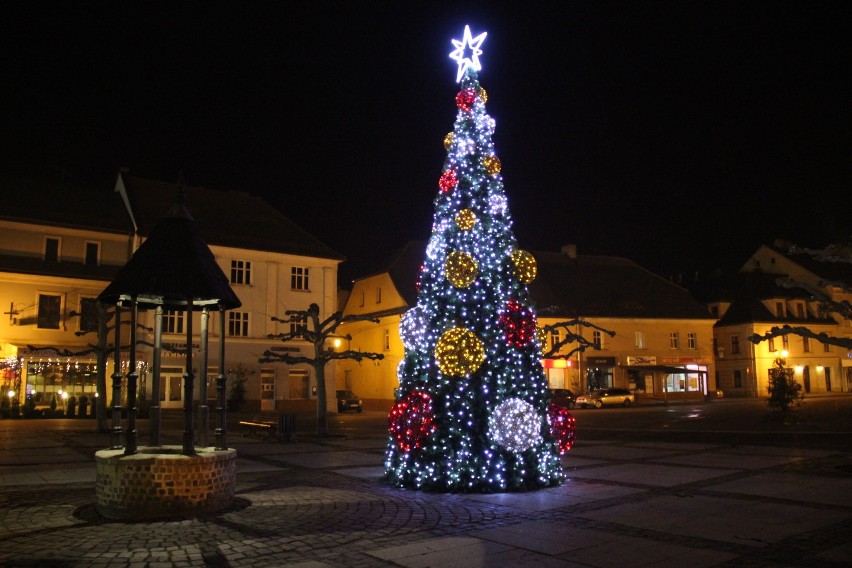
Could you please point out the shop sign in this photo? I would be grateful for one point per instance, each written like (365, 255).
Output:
(639, 360)
(600, 361)
(686, 360)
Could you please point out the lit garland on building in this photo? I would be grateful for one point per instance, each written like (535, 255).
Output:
(472, 408)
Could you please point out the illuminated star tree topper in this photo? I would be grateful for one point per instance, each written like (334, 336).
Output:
(468, 43)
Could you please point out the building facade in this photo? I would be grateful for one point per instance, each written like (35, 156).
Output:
(754, 302)
(62, 245)
(662, 345)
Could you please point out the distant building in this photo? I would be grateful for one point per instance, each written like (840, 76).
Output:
(662, 348)
(61, 246)
(752, 302)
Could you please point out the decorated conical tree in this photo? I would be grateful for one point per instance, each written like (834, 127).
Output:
(472, 410)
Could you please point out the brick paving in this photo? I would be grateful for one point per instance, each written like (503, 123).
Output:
(320, 503)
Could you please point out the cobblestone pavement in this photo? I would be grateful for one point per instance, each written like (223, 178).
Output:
(317, 503)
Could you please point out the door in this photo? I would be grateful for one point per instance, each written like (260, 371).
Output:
(828, 379)
(267, 390)
(806, 378)
(171, 388)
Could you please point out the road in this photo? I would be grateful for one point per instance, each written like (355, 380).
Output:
(819, 422)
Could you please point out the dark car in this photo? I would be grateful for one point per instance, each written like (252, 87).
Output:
(563, 397)
(347, 400)
(606, 397)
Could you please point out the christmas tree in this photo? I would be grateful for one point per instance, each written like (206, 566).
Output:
(472, 411)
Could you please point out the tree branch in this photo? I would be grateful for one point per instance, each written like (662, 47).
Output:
(801, 331)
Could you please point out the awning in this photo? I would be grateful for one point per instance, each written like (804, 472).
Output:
(664, 369)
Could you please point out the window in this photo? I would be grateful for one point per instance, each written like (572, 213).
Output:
(49, 310)
(298, 324)
(806, 344)
(639, 339)
(238, 324)
(241, 272)
(674, 340)
(378, 295)
(173, 321)
(771, 345)
(714, 311)
(691, 341)
(779, 309)
(738, 379)
(299, 278)
(93, 254)
(555, 338)
(51, 249)
(826, 347)
(362, 299)
(88, 314)
(387, 340)
(800, 310)
(785, 343)
(597, 339)
(735, 345)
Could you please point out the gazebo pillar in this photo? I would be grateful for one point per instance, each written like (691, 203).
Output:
(221, 380)
(116, 382)
(132, 378)
(188, 376)
(203, 411)
(156, 418)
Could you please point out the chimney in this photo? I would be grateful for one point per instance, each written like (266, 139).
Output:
(570, 251)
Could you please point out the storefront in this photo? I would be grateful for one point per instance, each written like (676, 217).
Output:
(599, 372)
(671, 378)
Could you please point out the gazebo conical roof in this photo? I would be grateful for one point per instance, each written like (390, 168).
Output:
(173, 267)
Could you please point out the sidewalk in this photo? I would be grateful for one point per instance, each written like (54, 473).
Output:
(319, 503)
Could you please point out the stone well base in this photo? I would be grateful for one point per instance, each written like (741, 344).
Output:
(159, 482)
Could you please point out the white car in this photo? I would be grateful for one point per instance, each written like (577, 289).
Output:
(606, 397)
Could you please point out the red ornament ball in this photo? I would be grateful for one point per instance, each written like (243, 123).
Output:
(448, 181)
(518, 323)
(562, 427)
(411, 420)
(465, 99)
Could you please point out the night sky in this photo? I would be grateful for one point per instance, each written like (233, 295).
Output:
(679, 134)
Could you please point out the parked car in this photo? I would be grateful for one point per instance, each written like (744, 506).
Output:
(611, 396)
(563, 397)
(347, 400)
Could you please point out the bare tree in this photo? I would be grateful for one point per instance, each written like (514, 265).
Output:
(305, 325)
(828, 305)
(570, 337)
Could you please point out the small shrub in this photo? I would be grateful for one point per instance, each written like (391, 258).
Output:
(71, 406)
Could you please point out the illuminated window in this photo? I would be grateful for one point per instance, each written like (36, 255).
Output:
(299, 278)
(691, 341)
(51, 249)
(298, 324)
(173, 321)
(93, 254)
(674, 340)
(49, 310)
(639, 339)
(735, 345)
(597, 339)
(241, 272)
(238, 324)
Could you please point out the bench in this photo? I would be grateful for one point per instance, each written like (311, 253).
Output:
(281, 428)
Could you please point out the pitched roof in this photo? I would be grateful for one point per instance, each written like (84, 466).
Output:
(63, 204)
(173, 265)
(588, 286)
(750, 289)
(605, 286)
(226, 218)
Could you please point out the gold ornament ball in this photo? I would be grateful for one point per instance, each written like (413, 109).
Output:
(448, 141)
(483, 95)
(465, 219)
(459, 352)
(461, 269)
(492, 164)
(525, 266)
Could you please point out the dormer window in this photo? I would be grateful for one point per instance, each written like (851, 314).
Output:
(779, 309)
